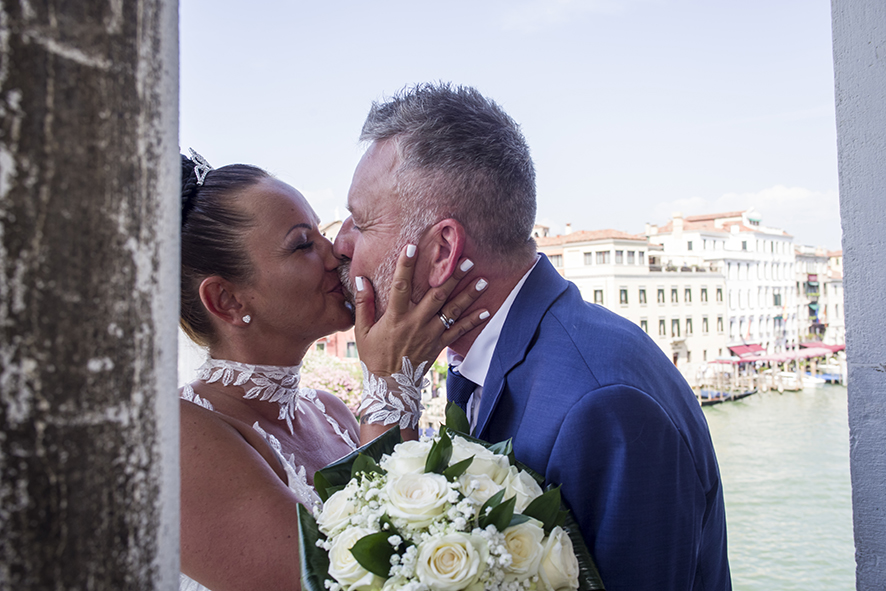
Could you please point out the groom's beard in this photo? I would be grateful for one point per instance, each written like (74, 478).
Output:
(381, 282)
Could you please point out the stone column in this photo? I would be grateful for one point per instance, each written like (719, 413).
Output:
(88, 294)
(860, 73)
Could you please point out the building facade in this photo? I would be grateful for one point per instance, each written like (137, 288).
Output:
(811, 280)
(758, 267)
(833, 309)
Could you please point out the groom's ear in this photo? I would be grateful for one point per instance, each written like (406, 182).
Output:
(446, 247)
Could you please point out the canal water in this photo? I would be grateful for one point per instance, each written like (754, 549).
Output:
(784, 461)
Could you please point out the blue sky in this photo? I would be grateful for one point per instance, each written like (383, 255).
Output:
(633, 109)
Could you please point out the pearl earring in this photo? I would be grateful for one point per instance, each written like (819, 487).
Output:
(247, 319)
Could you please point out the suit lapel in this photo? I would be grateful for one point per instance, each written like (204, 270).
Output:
(543, 286)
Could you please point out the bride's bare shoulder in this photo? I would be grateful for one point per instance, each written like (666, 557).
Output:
(213, 441)
(336, 408)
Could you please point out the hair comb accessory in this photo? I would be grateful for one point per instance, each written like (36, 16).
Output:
(202, 168)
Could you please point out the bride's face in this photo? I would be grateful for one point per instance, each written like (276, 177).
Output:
(295, 295)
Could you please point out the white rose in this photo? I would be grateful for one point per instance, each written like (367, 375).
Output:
(452, 562)
(408, 457)
(478, 487)
(417, 498)
(559, 567)
(344, 568)
(521, 485)
(524, 544)
(485, 462)
(337, 509)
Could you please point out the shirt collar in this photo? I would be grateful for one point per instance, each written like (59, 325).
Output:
(475, 365)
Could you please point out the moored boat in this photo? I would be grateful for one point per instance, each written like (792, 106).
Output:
(711, 397)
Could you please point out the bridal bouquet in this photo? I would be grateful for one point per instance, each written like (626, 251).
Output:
(445, 513)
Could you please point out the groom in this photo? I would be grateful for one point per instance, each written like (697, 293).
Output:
(589, 400)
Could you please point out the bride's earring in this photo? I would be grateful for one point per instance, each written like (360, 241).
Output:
(247, 319)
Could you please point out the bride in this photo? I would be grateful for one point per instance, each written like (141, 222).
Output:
(259, 285)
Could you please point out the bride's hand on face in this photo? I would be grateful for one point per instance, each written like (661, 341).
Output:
(416, 331)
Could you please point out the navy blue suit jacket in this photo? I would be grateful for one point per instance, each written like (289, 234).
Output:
(593, 404)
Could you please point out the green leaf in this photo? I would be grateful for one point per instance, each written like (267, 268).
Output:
(391, 529)
(492, 502)
(440, 454)
(457, 469)
(500, 516)
(504, 448)
(373, 552)
(322, 486)
(456, 419)
(338, 473)
(313, 561)
(364, 463)
(517, 519)
(545, 508)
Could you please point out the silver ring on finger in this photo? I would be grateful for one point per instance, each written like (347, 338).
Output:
(447, 322)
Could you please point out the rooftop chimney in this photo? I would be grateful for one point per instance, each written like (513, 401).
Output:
(678, 224)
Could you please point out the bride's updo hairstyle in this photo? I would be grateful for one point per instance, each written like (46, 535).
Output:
(212, 237)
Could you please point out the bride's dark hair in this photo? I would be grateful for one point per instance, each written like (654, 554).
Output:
(212, 238)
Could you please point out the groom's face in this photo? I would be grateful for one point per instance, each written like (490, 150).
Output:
(371, 234)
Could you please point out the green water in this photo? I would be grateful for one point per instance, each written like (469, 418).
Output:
(784, 460)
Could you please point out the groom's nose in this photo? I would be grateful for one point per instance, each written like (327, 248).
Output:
(344, 241)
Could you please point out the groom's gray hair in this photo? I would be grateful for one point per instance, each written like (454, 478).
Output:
(461, 157)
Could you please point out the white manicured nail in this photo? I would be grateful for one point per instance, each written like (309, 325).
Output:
(467, 265)
(481, 285)
(484, 315)
(359, 282)
(410, 251)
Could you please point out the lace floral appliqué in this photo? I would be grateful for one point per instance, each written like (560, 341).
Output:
(271, 383)
(298, 481)
(382, 406)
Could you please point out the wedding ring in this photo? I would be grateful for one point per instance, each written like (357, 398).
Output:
(447, 322)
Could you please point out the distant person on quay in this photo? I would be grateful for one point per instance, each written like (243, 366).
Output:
(589, 400)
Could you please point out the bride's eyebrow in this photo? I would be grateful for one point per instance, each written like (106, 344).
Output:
(296, 227)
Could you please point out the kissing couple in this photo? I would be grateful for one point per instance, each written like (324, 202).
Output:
(437, 252)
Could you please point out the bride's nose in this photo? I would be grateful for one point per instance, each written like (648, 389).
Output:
(330, 261)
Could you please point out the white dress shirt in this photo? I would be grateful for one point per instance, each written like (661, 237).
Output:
(475, 365)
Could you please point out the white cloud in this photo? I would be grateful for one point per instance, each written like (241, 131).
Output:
(812, 217)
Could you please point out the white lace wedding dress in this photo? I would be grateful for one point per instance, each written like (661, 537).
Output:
(277, 385)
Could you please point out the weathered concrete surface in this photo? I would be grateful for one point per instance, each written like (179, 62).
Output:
(860, 75)
(88, 294)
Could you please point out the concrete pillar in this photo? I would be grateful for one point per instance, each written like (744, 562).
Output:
(88, 294)
(859, 28)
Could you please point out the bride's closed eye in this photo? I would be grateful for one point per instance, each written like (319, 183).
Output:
(302, 246)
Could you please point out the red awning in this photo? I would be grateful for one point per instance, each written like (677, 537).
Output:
(746, 350)
(814, 344)
(792, 354)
